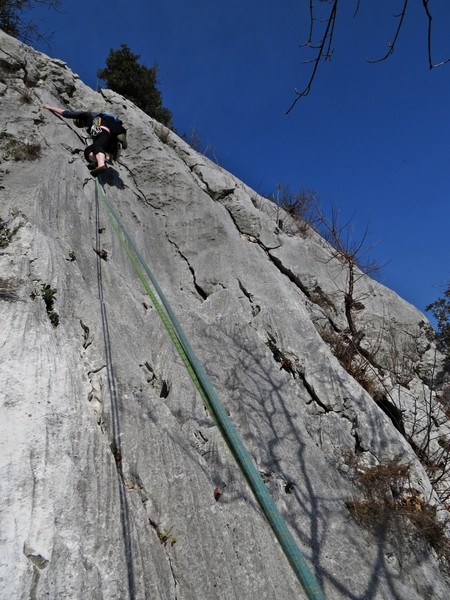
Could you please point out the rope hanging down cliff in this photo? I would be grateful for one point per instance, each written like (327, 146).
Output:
(213, 404)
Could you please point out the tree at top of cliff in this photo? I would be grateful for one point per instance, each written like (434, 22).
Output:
(125, 75)
(13, 23)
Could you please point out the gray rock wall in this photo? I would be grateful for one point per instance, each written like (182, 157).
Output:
(109, 458)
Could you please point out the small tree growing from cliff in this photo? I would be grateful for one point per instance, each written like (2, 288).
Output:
(358, 359)
(125, 75)
(352, 254)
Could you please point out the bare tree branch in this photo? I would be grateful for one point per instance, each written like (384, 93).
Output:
(358, 4)
(13, 23)
(391, 46)
(430, 35)
(324, 45)
(324, 48)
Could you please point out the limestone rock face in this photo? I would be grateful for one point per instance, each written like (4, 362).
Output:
(116, 483)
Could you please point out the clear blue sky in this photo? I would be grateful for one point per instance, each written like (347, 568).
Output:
(371, 139)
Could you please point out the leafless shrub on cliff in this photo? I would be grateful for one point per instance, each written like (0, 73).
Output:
(388, 502)
(421, 418)
(24, 92)
(353, 255)
(402, 355)
(424, 429)
(298, 210)
(431, 445)
(22, 150)
(13, 21)
(359, 359)
(193, 139)
(195, 142)
(351, 359)
(26, 95)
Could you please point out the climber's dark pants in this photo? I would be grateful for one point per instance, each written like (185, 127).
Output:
(104, 142)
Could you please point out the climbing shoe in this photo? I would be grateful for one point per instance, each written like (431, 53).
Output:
(98, 170)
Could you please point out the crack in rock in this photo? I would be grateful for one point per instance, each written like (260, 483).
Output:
(200, 291)
(136, 483)
(160, 385)
(287, 272)
(37, 559)
(312, 393)
(87, 339)
(256, 309)
(39, 564)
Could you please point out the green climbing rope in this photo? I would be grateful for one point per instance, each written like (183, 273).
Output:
(213, 404)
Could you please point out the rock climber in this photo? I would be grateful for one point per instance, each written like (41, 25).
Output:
(104, 129)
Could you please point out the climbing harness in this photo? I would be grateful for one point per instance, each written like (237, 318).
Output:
(213, 404)
(97, 127)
